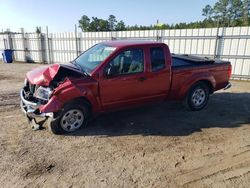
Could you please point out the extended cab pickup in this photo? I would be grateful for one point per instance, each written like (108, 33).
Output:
(118, 74)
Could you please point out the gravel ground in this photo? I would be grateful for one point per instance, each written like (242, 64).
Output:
(160, 145)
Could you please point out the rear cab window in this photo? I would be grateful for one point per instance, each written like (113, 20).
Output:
(157, 56)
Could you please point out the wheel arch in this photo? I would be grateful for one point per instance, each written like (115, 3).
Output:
(82, 100)
(205, 77)
(209, 84)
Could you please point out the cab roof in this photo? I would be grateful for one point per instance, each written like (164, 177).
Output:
(124, 43)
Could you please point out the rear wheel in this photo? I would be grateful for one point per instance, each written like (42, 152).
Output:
(197, 97)
(73, 117)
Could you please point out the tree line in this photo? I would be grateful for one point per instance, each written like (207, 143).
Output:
(224, 13)
(228, 13)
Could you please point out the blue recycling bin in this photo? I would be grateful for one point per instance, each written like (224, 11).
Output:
(7, 56)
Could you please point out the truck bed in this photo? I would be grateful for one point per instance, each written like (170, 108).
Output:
(185, 67)
(183, 60)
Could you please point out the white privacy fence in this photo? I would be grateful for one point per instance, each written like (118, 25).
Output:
(231, 44)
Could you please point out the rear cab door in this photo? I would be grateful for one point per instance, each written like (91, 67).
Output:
(158, 70)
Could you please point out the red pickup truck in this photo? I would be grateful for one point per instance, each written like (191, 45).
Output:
(118, 74)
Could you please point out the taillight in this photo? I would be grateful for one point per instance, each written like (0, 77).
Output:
(229, 71)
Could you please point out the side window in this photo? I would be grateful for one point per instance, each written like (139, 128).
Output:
(157, 59)
(127, 62)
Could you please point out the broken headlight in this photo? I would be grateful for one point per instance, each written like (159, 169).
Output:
(43, 93)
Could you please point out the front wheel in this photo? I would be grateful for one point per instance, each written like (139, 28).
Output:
(197, 97)
(73, 117)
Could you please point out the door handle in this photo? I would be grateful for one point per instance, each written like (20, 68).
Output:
(141, 79)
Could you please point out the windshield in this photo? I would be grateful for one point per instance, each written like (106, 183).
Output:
(91, 58)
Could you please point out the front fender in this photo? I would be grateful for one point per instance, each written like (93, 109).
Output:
(66, 92)
(54, 105)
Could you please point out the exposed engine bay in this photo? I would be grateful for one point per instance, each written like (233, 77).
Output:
(41, 94)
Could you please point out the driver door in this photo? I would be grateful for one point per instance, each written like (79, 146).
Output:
(125, 83)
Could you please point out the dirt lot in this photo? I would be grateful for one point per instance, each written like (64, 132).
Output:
(161, 145)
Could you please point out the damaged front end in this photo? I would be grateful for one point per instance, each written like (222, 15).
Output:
(37, 100)
(32, 98)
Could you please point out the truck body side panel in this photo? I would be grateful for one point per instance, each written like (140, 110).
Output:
(184, 77)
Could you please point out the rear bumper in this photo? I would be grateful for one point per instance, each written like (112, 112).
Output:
(31, 109)
(228, 86)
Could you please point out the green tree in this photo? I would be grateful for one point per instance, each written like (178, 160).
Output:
(103, 25)
(84, 23)
(221, 12)
(112, 22)
(120, 26)
(235, 12)
(228, 13)
(207, 11)
(94, 24)
(98, 24)
(38, 30)
(225, 12)
(246, 9)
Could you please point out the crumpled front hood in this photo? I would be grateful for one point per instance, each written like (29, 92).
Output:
(43, 75)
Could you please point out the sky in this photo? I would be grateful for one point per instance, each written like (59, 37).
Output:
(62, 15)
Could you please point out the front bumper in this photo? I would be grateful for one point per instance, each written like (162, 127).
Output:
(31, 109)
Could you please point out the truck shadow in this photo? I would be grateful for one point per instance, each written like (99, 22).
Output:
(225, 110)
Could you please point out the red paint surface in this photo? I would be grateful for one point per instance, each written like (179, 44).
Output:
(43, 75)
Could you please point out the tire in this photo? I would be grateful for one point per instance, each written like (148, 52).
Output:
(197, 97)
(73, 117)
